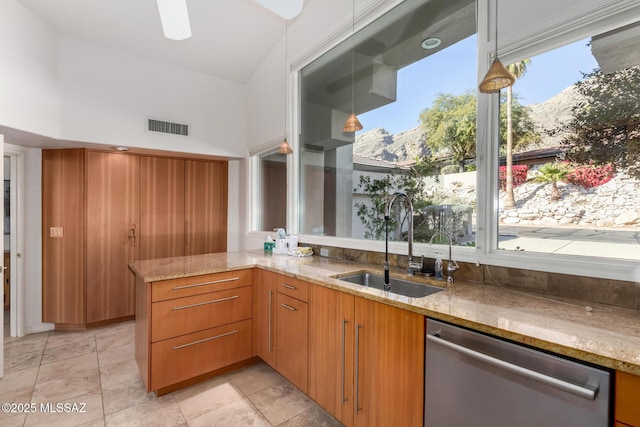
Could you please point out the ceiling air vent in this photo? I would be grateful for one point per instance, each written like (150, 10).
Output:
(167, 127)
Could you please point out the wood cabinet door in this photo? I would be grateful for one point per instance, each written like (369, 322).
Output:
(292, 326)
(331, 345)
(205, 206)
(162, 226)
(63, 234)
(389, 365)
(112, 220)
(627, 398)
(264, 316)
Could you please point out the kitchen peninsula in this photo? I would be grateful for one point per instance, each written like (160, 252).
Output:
(603, 335)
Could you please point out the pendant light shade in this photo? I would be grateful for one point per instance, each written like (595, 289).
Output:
(498, 77)
(352, 124)
(285, 148)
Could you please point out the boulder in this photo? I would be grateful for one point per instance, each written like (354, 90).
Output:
(626, 218)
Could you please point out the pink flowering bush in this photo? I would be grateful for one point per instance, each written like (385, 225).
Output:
(589, 176)
(519, 175)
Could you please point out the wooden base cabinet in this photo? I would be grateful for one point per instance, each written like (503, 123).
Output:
(189, 327)
(281, 325)
(627, 399)
(264, 315)
(366, 364)
(331, 351)
(292, 324)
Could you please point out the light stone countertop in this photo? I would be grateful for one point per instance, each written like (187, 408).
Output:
(607, 335)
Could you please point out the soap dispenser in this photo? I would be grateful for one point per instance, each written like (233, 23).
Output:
(438, 265)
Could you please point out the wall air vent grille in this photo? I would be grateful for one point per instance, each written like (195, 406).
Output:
(167, 127)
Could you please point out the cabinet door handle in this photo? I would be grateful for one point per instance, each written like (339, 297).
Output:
(284, 285)
(206, 302)
(206, 283)
(270, 316)
(357, 405)
(288, 307)
(178, 347)
(344, 323)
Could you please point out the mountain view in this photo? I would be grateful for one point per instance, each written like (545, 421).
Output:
(404, 147)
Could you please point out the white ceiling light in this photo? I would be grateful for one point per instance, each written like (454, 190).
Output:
(288, 9)
(175, 19)
(431, 43)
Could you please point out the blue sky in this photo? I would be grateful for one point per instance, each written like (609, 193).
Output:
(454, 71)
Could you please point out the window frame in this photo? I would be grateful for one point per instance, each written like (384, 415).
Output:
(530, 41)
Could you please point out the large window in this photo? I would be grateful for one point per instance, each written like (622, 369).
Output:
(414, 75)
(573, 149)
(544, 175)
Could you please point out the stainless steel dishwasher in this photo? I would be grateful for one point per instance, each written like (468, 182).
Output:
(474, 380)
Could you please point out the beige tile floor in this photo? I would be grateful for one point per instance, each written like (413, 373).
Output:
(96, 368)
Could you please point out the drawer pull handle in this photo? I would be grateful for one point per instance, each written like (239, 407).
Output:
(288, 307)
(284, 285)
(178, 347)
(232, 279)
(206, 302)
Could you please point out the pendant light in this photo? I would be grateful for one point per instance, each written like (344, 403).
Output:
(498, 77)
(285, 148)
(353, 124)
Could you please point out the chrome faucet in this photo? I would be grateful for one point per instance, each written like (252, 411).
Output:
(412, 265)
(452, 265)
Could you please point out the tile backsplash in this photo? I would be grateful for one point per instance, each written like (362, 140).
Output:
(591, 289)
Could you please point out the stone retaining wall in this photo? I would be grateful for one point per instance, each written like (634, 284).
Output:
(614, 204)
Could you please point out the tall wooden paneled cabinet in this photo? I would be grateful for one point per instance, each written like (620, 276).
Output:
(205, 210)
(112, 220)
(162, 223)
(63, 235)
(102, 210)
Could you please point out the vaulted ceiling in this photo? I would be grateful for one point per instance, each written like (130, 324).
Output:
(230, 38)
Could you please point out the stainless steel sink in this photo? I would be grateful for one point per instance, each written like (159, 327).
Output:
(398, 286)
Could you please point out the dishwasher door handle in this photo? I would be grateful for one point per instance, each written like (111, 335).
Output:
(527, 373)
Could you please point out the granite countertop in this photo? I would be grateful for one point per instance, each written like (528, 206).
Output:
(597, 333)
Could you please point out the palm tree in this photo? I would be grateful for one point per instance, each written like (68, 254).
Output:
(517, 69)
(552, 173)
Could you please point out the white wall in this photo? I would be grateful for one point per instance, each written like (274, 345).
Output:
(107, 95)
(29, 92)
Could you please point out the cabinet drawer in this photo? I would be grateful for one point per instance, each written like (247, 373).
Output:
(185, 315)
(185, 357)
(188, 286)
(293, 287)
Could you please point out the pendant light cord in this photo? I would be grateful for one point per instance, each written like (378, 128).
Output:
(286, 74)
(496, 26)
(353, 57)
